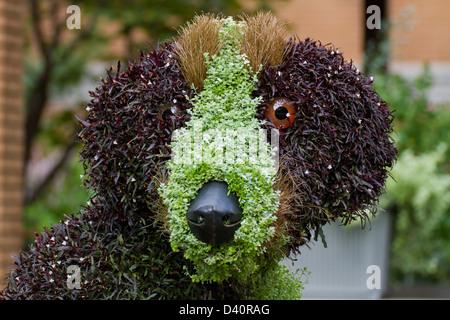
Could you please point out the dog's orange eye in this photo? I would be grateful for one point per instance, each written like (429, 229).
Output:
(281, 112)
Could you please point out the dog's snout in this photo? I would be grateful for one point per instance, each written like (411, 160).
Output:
(214, 215)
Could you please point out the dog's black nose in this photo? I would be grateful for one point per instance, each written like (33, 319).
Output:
(214, 215)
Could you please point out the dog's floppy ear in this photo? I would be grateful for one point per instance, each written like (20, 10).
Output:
(338, 150)
(128, 129)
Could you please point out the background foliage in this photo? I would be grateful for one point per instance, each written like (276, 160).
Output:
(419, 192)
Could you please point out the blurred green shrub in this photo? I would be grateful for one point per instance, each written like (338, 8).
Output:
(418, 127)
(418, 195)
(420, 199)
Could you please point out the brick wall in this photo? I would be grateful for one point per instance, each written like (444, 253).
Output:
(331, 21)
(11, 130)
(420, 30)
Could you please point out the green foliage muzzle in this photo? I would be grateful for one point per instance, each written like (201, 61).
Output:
(223, 142)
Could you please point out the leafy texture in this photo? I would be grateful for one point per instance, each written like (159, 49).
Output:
(115, 241)
(338, 151)
(420, 198)
(334, 160)
(225, 105)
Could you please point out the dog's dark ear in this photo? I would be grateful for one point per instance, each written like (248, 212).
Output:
(338, 150)
(128, 129)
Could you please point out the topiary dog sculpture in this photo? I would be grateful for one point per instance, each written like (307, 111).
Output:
(211, 159)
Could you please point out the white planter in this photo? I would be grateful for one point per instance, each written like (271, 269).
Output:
(353, 266)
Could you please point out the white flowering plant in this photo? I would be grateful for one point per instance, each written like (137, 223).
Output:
(225, 106)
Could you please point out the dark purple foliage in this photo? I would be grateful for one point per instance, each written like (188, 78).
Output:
(121, 251)
(125, 143)
(338, 150)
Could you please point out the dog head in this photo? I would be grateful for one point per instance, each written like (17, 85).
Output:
(240, 142)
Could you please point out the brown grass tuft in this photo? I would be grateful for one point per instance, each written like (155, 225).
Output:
(264, 40)
(196, 38)
(264, 43)
(286, 218)
(159, 207)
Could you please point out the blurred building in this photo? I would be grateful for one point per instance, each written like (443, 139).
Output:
(12, 22)
(419, 29)
(419, 33)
